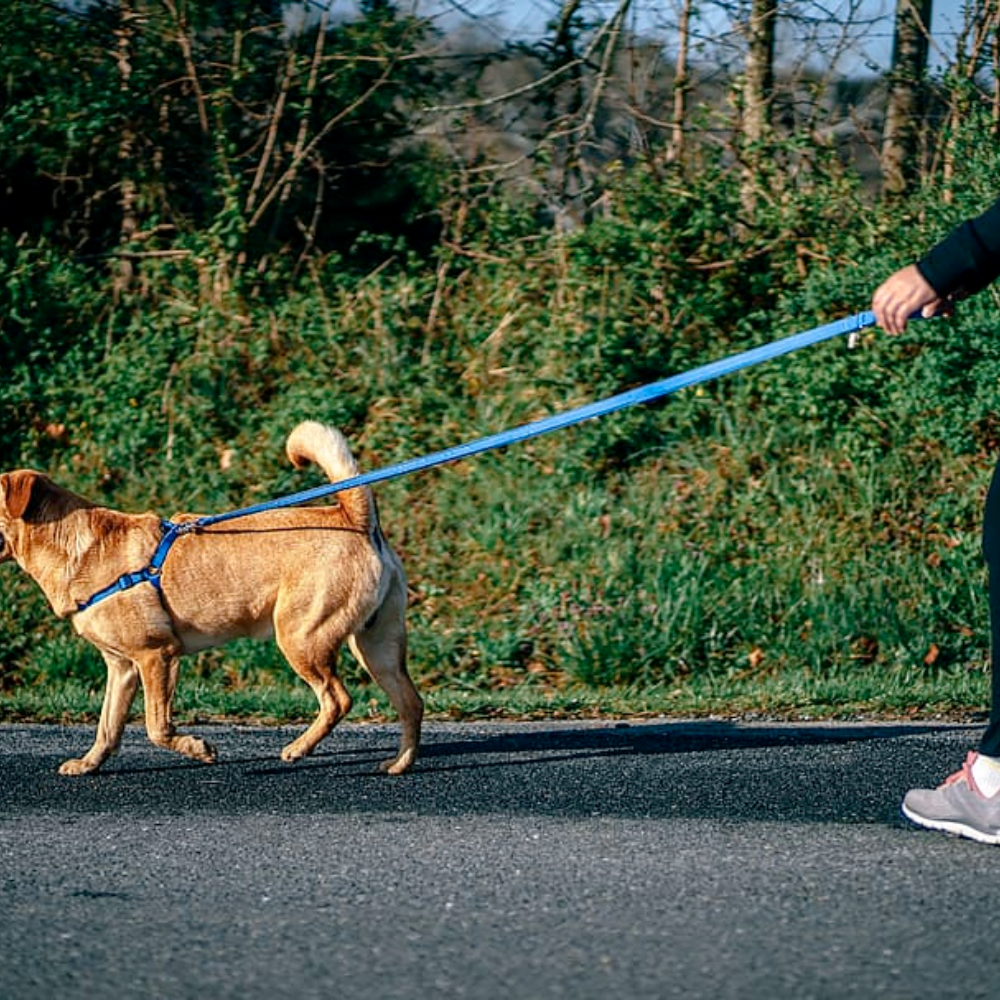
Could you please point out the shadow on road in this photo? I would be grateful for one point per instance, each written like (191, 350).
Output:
(652, 739)
(706, 769)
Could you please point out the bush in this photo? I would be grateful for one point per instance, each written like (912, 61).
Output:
(818, 514)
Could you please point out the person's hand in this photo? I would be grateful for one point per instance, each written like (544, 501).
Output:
(900, 296)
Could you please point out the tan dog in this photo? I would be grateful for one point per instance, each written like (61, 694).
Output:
(310, 577)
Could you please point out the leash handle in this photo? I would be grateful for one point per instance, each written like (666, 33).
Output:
(643, 394)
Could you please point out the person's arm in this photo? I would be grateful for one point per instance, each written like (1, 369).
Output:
(967, 260)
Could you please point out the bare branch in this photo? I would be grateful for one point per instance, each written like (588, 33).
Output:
(272, 132)
(320, 135)
(533, 85)
(183, 39)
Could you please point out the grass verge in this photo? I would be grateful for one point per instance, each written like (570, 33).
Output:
(960, 695)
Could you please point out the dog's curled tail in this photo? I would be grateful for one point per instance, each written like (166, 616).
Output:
(326, 447)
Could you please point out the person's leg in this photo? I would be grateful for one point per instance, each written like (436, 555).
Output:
(990, 744)
(968, 803)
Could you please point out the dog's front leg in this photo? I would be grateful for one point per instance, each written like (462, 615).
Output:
(158, 668)
(123, 679)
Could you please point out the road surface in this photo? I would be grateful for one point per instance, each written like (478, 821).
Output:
(585, 860)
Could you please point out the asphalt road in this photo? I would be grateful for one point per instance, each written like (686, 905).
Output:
(579, 860)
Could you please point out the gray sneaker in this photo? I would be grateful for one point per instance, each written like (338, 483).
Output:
(957, 806)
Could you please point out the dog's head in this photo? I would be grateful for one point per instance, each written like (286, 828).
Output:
(27, 498)
(17, 490)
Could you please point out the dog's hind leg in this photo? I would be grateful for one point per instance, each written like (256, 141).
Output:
(123, 679)
(158, 668)
(314, 663)
(381, 648)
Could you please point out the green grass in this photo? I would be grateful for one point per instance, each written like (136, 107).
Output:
(899, 694)
(730, 580)
(801, 539)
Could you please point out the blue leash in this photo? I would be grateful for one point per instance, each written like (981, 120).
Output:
(644, 394)
(601, 408)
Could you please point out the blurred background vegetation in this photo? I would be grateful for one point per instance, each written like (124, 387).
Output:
(219, 219)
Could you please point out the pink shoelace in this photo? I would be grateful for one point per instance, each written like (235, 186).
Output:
(964, 774)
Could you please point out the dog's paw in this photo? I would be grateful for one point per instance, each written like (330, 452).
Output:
(200, 750)
(77, 766)
(400, 764)
(295, 751)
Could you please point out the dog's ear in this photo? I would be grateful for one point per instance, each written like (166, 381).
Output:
(21, 492)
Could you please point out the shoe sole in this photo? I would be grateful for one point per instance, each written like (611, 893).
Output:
(953, 827)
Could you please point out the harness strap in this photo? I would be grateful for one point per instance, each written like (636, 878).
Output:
(150, 573)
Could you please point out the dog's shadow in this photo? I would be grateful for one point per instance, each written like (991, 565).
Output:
(538, 745)
(649, 739)
(716, 769)
(698, 769)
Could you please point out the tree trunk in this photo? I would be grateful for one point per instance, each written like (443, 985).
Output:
(758, 90)
(127, 191)
(682, 86)
(904, 111)
(996, 85)
(975, 48)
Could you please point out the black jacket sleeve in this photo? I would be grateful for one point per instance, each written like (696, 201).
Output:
(966, 260)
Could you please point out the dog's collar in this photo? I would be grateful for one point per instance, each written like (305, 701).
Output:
(149, 574)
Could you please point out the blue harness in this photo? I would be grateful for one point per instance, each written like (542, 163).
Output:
(151, 573)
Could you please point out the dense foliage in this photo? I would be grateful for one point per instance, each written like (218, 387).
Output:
(818, 514)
